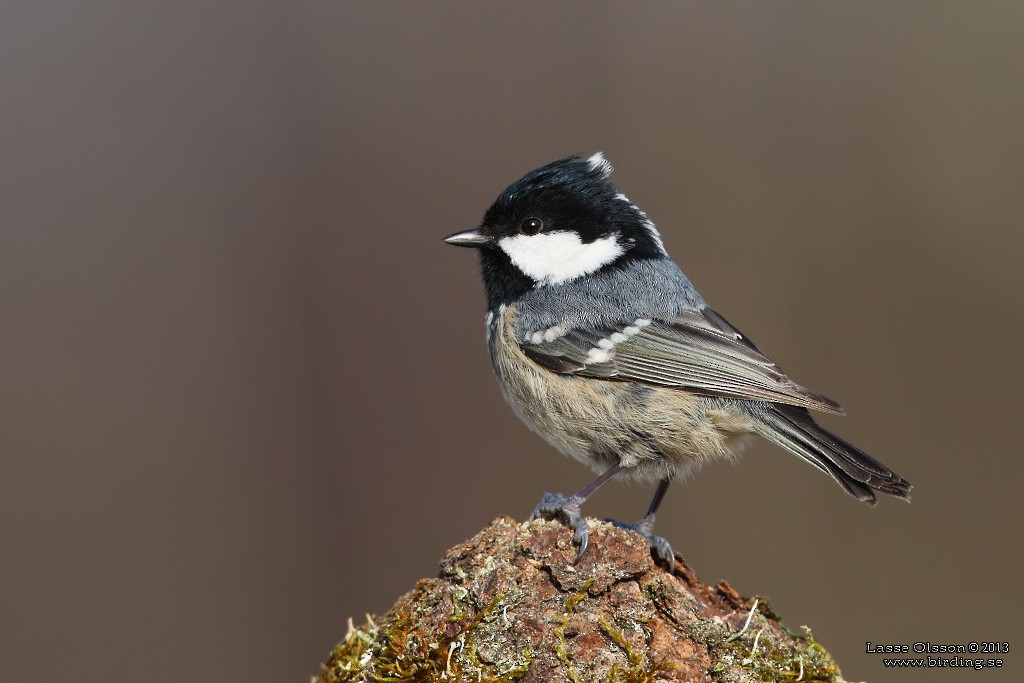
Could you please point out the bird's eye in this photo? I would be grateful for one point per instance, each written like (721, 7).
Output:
(531, 226)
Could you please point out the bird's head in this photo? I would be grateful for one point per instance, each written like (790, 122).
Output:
(559, 223)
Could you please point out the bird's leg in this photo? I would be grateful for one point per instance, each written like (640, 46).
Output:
(568, 508)
(645, 527)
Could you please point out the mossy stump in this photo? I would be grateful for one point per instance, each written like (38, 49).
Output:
(510, 605)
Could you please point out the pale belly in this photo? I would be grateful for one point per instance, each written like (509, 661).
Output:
(653, 431)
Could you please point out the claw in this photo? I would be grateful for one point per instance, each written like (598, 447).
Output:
(550, 504)
(581, 538)
(554, 505)
(659, 546)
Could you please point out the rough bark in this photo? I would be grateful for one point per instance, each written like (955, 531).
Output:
(510, 605)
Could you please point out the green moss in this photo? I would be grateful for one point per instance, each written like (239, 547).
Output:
(396, 652)
(641, 669)
(561, 647)
(345, 659)
(756, 653)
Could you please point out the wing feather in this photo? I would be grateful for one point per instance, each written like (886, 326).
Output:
(698, 351)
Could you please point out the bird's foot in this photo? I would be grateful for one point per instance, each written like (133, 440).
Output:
(659, 546)
(554, 505)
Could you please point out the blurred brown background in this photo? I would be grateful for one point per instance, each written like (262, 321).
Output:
(245, 393)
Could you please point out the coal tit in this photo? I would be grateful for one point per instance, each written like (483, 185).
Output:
(604, 348)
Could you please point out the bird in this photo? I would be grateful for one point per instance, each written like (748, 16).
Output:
(603, 347)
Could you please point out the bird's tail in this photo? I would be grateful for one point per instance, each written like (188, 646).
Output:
(858, 473)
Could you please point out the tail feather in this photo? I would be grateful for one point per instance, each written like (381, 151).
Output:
(857, 472)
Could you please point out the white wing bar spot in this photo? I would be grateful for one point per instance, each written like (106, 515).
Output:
(548, 335)
(604, 350)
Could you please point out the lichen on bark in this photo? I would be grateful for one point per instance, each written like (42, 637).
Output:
(510, 605)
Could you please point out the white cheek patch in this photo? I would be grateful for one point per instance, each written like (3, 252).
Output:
(554, 257)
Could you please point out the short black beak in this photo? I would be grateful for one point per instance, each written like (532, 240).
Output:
(470, 238)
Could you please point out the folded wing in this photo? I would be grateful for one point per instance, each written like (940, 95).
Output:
(698, 351)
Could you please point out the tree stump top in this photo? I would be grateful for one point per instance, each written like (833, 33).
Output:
(510, 605)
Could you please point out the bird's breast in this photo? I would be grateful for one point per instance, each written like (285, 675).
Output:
(601, 422)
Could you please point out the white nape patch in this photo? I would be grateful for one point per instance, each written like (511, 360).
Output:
(655, 235)
(599, 163)
(648, 225)
(603, 352)
(553, 257)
